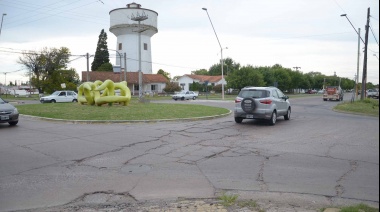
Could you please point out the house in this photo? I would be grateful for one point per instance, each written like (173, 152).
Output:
(186, 80)
(151, 83)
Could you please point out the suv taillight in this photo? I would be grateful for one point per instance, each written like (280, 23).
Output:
(266, 101)
(237, 100)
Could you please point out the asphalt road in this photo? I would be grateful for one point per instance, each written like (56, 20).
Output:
(319, 158)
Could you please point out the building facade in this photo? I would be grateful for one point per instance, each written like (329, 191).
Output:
(151, 83)
(186, 80)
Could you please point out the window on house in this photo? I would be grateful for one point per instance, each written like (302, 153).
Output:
(145, 46)
(120, 46)
(153, 87)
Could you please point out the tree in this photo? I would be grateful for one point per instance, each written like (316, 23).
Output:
(281, 77)
(101, 55)
(106, 67)
(200, 72)
(171, 87)
(229, 65)
(165, 74)
(245, 76)
(68, 77)
(44, 64)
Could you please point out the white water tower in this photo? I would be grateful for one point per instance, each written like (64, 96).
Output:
(124, 26)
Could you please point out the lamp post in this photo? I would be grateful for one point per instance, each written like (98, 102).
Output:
(2, 17)
(140, 18)
(125, 78)
(221, 51)
(359, 38)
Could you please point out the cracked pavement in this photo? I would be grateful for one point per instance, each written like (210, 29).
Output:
(319, 158)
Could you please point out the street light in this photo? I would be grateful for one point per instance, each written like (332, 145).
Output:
(221, 51)
(125, 77)
(359, 38)
(2, 17)
(140, 18)
(345, 15)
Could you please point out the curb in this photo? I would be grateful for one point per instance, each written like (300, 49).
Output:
(127, 121)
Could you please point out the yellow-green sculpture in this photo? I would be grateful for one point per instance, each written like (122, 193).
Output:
(99, 93)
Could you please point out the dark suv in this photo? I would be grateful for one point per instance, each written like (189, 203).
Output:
(266, 103)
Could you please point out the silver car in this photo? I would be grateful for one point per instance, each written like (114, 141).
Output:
(266, 103)
(8, 113)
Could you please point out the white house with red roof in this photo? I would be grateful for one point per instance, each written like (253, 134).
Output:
(186, 80)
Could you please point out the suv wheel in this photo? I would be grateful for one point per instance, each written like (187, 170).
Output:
(248, 105)
(273, 118)
(238, 120)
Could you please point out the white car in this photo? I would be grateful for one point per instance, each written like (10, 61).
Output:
(60, 96)
(185, 95)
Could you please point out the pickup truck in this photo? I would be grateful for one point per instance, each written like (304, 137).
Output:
(373, 93)
(183, 95)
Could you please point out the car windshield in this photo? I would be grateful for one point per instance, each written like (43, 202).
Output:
(254, 94)
(56, 93)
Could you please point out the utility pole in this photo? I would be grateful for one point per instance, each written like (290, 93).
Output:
(357, 74)
(88, 65)
(364, 79)
(125, 67)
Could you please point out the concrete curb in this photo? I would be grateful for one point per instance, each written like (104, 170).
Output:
(127, 121)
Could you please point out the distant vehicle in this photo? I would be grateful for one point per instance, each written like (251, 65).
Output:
(322, 91)
(60, 96)
(183, 95)
(265, 103)
(333, 93)
(310, 91)
(373, 93)
(8, 113)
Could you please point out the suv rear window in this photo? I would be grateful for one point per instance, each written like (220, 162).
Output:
(253, 94)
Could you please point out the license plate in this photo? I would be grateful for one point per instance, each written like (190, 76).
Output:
(4, 117)
(249, 116)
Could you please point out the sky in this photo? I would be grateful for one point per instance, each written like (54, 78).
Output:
(309, 34)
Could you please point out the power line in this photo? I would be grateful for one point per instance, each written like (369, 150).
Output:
(373, 34)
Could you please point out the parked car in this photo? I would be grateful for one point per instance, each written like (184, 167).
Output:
(8, 113)
(310, 91)
(60, 96)
(266, 103)
(373, 93)
(322, 91)
(185, 95)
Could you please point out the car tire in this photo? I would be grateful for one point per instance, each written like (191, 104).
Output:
(12, 123)
(287, 116)
(248, 105)
(75, 100)
(273, 118)
(53, 101)
(194, 97)
(175, 99)
(238, 120)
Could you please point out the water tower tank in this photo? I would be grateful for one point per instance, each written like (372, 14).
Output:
(127, 30)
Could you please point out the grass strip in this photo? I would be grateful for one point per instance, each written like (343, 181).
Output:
(134, 111)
